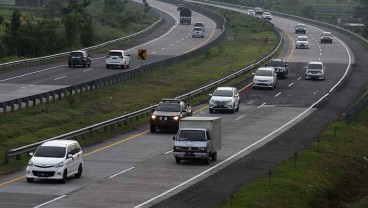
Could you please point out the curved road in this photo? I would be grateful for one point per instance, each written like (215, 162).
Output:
(137, 169)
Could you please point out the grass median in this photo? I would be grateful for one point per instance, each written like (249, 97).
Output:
(252, 40)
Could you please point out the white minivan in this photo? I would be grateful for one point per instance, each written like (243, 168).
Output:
(265, 77)
(58, 160)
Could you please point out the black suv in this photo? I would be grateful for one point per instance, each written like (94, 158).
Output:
(168, 113)
(79, 58)
(281, 67)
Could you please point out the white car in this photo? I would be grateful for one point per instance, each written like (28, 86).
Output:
(265, 77)
(267, 16)
(58, 160)
(199, 24)
(117, 58)
(224, 98)
(198, 32)
(315, 70)
(251, 12)
(302, 42)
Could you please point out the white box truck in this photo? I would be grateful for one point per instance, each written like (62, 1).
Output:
(198, 138)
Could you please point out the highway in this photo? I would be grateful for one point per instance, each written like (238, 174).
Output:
(137, 169)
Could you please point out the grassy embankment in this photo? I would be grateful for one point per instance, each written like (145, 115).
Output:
(252, 40)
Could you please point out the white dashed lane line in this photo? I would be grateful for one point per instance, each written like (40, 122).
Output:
(26, 86)
(168, 152)
(171, 44)
(121, 172)
(153, 52)
(163, 48)
(239, 117)
(299, 78)
(278, 94)
(291, 84)
(261, 105)
(60, 78)
(87, 70)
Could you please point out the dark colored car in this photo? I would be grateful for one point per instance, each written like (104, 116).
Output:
(81, 58)
(300, 28)
(281, 67)
(168, 113)
(258, 10)
(326, 37)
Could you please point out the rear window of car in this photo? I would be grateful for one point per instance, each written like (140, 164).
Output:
(115, 53)
(223, 93)
(302, 39)
(76, 54)
(326, 33)
(197, 29)
(315, 66)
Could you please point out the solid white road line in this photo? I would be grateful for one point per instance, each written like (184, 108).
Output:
(23, 75)
(121, 172)
(50, 201)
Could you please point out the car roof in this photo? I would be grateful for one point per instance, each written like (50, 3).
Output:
(265, 68)
(277, 60)
(225, 88)
(315, 62)
(302, 36)
(78, 51)
(167, 100)
(326, 33)
(59, 143)
(116, 51)
(266, 13)
(300, 24)
(198, 23)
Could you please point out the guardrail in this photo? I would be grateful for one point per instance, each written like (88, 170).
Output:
(96, 84)
(54, 57)
(362, 103)
(146, 111)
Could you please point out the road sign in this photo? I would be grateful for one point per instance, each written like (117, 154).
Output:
(142, 54)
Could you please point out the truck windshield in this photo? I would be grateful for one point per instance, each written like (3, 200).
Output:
(192, 135)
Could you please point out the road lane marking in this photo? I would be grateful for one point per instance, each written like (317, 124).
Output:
(291, 84)
(35, 72)
(261, 105)
(87, 70)
(245, 87)
(171, 44)
(239, 117)
(48, 202)
(153, 52)
(292, 48)
(178, 41)
(168, 152)
(26, 86)
(59, 78)
(277, 94)
(182, 38)
(231, 157)
(299, 78)
(163, 48)
(122, 172)
(12, 180)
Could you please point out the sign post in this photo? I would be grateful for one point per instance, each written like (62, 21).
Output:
(142, 55)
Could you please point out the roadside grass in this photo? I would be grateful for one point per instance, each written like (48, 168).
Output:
(331, 174)
(44, 121)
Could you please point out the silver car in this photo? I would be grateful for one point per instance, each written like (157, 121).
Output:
(224, 98)
(315, 70)
(265, 77)
(198, 32)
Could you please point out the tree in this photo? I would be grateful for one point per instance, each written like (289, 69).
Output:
(87, 36)
(308, 11)
(15, 20)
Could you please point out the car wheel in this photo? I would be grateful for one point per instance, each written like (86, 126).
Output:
(65, 177)
(80, 170)
(237, 109)
(89, 65)
(30, 180)
(70, 66)
(107, 66)
(233, 110)
(177, 160)
(84, 65)
(153, 128)
(214, 156)
(206, 161)
(211, 111)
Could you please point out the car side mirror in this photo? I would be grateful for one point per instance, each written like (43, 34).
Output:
(210, 95)
(30, 154)
(69, 156)
(173, 138)
(253, 73)
(305, 67)
(286, 64)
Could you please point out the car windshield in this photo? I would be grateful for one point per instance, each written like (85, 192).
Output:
(265, 73)
(49, 151)
(76, 54)
(168, 107)
(276, 63)
(302, 39)
(266, 13)
(192, 135)
(223, 93)
(114, 54)
(315, 66)
(198, 29)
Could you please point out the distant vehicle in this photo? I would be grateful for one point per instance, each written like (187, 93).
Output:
(326, 37)
(302, 42)
(197, 138)
(224, 98)
(265, 77)
(300, 28)
(180, 7)
(258, 10)
(168, 113)
(198, 32)
(315, 70)
(117, 58)
(57, 160)
(267, 16)
(251, 12)
(79, 58)
(281, 67)
(199, 24)
(185, 16)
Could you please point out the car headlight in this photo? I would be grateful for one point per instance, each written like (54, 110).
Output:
(58, 165)
(203, 149)
(255, 80)
(153, 116)
(176, 118)
(212, 102)
(30, 163)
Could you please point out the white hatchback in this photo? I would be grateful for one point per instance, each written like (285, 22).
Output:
(58, 160)
(117, 58)
(265, 77)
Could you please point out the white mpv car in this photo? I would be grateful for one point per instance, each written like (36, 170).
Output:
(58, 159)
(224, 98)
(265, 77)
(302, 42)
(315, 70)
(117, 58)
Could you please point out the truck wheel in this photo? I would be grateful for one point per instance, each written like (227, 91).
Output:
(177, 160)
(214, 156)
(153, 128)
(207, 161)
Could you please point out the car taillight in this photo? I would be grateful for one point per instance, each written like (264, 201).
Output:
(120, 57)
